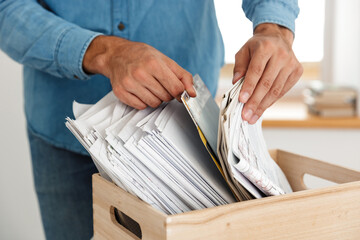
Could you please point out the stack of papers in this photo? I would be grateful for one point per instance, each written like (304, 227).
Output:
(155, 154)
(245, 160)
(180, 157)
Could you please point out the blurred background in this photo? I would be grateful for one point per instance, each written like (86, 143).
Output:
(327, 43)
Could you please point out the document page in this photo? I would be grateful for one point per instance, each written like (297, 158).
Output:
(155, 154)
(247, 153)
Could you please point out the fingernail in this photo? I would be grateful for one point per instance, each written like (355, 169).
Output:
(236, 76)
(244, 96)
(254, 119)
(194, 91)
(248, 114)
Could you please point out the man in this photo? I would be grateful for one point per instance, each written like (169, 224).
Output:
(146, 52)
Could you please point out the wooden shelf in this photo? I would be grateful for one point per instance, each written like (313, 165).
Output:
(289, 113)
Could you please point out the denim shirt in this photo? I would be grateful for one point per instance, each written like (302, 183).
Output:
(50, 38)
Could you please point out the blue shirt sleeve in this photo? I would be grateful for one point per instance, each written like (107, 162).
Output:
(38, 38)
(282, 12)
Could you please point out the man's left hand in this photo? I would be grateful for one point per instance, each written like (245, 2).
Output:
(270, 68)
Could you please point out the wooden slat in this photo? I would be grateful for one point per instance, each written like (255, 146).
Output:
(328, 213)
(295, 166)
(273, 154)
(106, 196)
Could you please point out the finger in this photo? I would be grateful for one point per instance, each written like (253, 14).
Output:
(254, 72)
(129, 99)
(187, 79)
(184, 76)
(147, 97)
(242, 59)
(159, 91)
(292, 80)
(150, 83)
(264, 85)
(272, 95)
(167, 78)
(133, 86)
(279, 89)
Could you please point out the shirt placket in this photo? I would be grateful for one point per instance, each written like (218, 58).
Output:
(120, 18)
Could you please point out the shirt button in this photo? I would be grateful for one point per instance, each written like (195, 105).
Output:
(121, 26)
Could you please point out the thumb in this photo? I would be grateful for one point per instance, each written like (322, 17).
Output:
(242, 60)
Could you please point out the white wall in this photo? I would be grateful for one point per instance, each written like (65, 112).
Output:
(236, 29)
(19, 211)
(342, 42)
(336, 146)
(341, 62)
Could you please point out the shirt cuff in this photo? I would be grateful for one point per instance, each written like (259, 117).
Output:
(275, 12)
(70, 50)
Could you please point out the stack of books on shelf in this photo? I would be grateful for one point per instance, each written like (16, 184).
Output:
(329, 100)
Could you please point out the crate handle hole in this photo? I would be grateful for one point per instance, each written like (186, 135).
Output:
(313, 182)
(125, 221)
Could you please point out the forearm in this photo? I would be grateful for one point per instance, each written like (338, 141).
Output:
(97, 57)
(275, 29)
(279, 12)
(37, 38)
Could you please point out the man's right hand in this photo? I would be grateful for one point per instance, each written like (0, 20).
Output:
(140, 75)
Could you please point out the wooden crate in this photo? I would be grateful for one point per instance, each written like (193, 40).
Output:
(326, 213)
